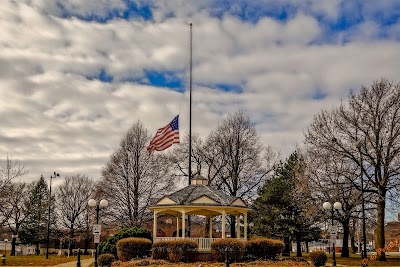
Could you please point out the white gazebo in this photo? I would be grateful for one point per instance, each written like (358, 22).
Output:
(200, 199)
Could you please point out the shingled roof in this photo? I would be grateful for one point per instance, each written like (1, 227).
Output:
(188, 194)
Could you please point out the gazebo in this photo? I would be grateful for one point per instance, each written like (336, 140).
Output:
(200, 199)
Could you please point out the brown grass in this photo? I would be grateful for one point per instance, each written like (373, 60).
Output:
(355, 260)
(161, 263)
(33, 260)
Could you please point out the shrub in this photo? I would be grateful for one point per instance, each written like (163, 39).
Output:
(160, 250)
(109, 245)
(318, 258)
(179, 250)
(105, 259)
(234, 247)
(132, 247)
(264, 248)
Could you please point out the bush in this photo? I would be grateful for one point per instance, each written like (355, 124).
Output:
(105, 260)
(160, 250)
(132, 247)
(264, 248)
(318, 258)
(179, 250)
(234, 247)
(109, 245)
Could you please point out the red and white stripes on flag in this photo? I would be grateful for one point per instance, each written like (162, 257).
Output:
(165, 137)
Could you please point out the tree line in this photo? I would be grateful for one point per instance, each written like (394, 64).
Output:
(359, 139)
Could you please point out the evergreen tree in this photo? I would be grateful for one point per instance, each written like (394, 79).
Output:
(281, 210)
(34, 230)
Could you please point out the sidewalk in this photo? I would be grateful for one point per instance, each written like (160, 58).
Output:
(84, 263)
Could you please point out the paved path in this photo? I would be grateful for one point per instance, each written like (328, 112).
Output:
(84, 263)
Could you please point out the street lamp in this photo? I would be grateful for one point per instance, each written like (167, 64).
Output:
(93, 203)
(364, 250)
(48, 216)
(336, 206)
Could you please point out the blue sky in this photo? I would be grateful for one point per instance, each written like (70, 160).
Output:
(74, 75)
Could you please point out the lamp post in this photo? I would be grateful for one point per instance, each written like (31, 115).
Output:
(48, 216)
(364, 250)
(336, 206)
(93, 203)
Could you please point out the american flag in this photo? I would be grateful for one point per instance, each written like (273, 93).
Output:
(165, 137)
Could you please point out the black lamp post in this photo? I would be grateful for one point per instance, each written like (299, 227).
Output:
(364, 250)
(93, 203)
(336, 206)
(48, 216)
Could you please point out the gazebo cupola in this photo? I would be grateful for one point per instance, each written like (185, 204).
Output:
(199, 180)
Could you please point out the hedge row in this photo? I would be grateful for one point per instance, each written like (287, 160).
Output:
(264, 248)
(109, 247)
(133, 247)
(179, 250)
(174, 251)
(234, 249)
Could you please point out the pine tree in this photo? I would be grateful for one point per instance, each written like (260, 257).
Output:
(280, 211)
(34, 230)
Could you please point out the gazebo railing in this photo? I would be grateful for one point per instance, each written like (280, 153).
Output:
(204, 244)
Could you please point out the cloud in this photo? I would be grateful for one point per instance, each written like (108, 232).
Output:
(74, 77)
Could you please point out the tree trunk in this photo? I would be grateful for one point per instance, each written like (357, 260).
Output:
(286, 249)
(380, 229)
(13, 245)
(307, 248)
(37, 248)
(345, 246)
(298, 245)
(71, 239)
(353, 244)
(86, 246)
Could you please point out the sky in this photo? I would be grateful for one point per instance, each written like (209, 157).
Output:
(76, 75)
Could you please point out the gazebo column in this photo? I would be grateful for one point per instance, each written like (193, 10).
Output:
(223, 223)
(183, 223)
(154, 226)
(245, 225)
(177, 225)
(210, 230)
(238, 226)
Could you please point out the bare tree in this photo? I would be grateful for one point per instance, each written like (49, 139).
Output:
(72, 197)
(16, 208)
(365, 132)
(133, 178)
(328, 178)
(9, 171)
(205, 160)
(243, 162)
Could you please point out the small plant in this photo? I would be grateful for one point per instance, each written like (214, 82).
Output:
(318, 258)
(234, 248)
(109, 245)
(160, 250)
(264, 248)
(132, 247)
(105, 260)
(178, 250)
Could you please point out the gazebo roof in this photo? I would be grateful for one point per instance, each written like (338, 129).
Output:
(188, 194)
(198, 195)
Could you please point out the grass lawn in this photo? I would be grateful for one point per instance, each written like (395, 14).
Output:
(354, 260)
(33, 260)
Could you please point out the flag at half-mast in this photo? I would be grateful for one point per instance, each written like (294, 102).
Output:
(166, 136)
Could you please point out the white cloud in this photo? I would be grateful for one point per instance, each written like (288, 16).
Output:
(56, 119)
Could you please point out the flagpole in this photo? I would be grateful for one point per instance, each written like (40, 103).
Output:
(190, 109)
